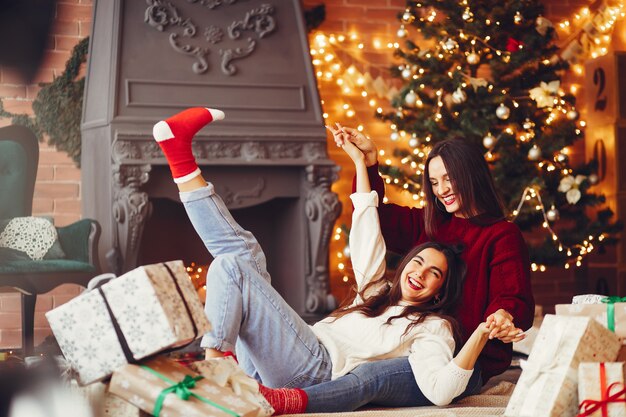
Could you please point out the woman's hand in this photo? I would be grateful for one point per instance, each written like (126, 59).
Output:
(362, 142)
(342, 139)
(501, 327)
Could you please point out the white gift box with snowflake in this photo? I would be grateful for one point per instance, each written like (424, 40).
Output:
(143, 312)
(162, 387)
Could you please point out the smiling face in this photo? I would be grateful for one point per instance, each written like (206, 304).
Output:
(442, 186)
(423, 276)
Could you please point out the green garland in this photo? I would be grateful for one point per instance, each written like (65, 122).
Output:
(58, 107)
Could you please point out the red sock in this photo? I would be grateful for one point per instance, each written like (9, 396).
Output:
(174, 136)
(285, 400)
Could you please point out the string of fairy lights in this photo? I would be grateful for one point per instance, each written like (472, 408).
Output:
(336, 58)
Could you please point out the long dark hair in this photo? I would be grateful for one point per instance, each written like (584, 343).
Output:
(472, 183)
(391, 294)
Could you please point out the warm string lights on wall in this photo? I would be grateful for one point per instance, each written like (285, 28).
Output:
(337, 59)
(197, 275)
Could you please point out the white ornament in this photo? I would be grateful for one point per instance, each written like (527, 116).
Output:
(406, 16)
(459, 96)
(561, 158)
(473, 58)
(572, 114)
(545, 94)
(534, 153)
(503, 112)
(570, 186)
(552, 214)
(410, 98)
(407, 73)
(346, 251)
(489, 141)
(517, 19)
(542, 25)
(467, 15)
(593, 179)
(401, 32)
(413, 142)
(394, 136)
(528, 124)
(450, 44)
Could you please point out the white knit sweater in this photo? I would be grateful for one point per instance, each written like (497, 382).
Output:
(355, 339)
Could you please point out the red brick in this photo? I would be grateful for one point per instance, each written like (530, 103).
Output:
(11, 76)
(10, 320)
(10, 339)
(65, 43)
(73, 12)
(64, 220)
(56, 190)
(65, 28)
(18, 106)
(32, 91)
(61, 299)
(43, 206)
(68, 206)
(45, 75)
(388, 15)
(44, 302)
(41, 334)
(67, 173)
(49, 156)
(55, 59)
(45, 173)
(84, 29)
(10, 302)
(8, 91)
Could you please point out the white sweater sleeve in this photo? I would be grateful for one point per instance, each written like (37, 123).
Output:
(437, 376)
(367, 246)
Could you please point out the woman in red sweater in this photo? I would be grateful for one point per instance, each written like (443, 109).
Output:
(463, 207)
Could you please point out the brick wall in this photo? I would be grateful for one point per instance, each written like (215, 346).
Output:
(57, 191)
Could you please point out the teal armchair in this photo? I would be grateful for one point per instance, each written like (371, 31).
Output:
(19, 158)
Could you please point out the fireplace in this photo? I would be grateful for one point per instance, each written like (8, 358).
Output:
(268, 159)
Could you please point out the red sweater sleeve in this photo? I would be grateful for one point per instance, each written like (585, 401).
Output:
(402, 227)
(509, 280)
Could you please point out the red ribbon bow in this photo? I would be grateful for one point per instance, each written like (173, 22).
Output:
(588, 407)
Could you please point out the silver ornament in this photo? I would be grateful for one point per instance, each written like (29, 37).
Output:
(593, 179)
(450, 44)
(410, 98)
(572, 114)
(346, 251)
(534, 153)
(459, 96)
(401, 32)
(473, 58)
(407, 73)
(489, 141)
(394, 136)
(413, 142)
(552, 215)
(562, 158)
(503, 112)
(467, 15)
(406, 16)
(528, 124)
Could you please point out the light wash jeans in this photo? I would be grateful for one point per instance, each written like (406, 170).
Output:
(386, 383)
(271, 340)
(273, 343)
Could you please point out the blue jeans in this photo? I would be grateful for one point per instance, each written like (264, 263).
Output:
(386, 383)
(248, 316)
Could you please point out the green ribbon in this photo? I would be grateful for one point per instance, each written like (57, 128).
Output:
(610, 309)
(182, 390)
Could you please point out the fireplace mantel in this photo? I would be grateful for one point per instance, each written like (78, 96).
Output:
(151, 59)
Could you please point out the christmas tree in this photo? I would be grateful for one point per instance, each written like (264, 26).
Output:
(490, 72)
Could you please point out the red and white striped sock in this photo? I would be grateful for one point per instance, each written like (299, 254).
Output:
(174, 136)
(285, 400)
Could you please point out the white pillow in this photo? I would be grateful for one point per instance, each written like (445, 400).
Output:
(32, 235)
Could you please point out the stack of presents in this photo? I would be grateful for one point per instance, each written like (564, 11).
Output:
(576, 365)
(116, 336)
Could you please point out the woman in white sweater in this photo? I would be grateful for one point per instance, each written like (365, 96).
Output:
(406, 316)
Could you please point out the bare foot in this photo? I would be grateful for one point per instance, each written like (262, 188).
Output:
(213, 353)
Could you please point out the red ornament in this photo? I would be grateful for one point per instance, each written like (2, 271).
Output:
(513, 45)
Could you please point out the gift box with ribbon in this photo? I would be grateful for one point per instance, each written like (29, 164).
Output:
(162, 387)
(547, 386)
(601, 389)
(143, 312)
(226, 372)
(105, 404)
(608, 311)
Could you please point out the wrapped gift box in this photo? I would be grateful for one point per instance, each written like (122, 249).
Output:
(547, 386)
(151, 308)
(599, 312)
(225, 372)
(105, 404)
(593, 381)
(142, 387)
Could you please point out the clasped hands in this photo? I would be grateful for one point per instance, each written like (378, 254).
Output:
(358, 146)
(499, 325)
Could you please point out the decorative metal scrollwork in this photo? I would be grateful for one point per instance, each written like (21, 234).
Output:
(212, 4)
(258, 19)
(229, 55)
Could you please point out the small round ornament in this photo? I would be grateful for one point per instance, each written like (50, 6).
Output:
(346, 251)
(473, 58)
(467, 15)
(459, 96)
(450, 44)
(552, 215)
(413, 142)
(394, 136)
(593, 179)
(534, 153)
(503, 112)
(407, 73)
(406, 16)
(489, 141)
(561, 158)
(410, 98)
(401, 32)
(572, 114)
(517, 19)
(528, 124)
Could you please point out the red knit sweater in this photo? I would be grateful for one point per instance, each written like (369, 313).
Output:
(498, 268)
